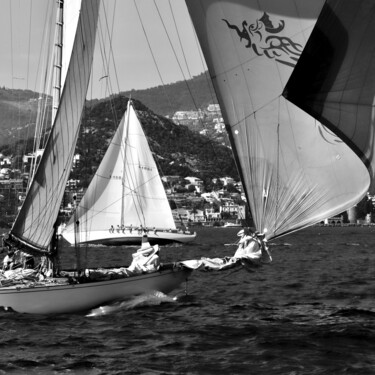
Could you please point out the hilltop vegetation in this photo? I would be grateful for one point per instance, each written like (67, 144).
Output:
(177, 150)
(187, 95)
(18, 110)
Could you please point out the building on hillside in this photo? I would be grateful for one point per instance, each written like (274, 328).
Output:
(219, 127)
(181, 215)
(213, 108)
(11, 184)
(171, 179)
(194, 181)
(334, 221)
(203, 132)
(72, 184)
(230, 208)
(76, 160)
(211, 215)
(181, 117)
(28, 158)
(227, 180)
(197, 216)
(5, 162)
(4, 173)
(210, 197)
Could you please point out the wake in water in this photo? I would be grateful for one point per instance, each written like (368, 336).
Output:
(154, 298)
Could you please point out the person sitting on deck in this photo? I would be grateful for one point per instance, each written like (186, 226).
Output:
(253, 246)
(146, 259)
(10, 261)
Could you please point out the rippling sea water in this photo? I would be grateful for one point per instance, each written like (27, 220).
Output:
(311, 311)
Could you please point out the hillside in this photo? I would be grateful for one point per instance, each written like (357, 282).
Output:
(18, 108)
(18, 111)
(177, 150)
(187, 95)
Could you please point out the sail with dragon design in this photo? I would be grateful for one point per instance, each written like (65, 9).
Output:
(295, 166)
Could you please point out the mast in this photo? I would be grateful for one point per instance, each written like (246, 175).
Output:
(124, 164)
(58, 58)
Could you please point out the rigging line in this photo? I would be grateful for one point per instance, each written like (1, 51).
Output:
(184, 55)
(106, 62)
(28, 50)
(178, 62)
(174, 52)
(11, 40)
(110, 43)
(179, 38)
(152, 54)
(277, 169)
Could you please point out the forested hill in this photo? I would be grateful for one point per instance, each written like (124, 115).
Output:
(177, 150)
(187, 95)
(18, 108)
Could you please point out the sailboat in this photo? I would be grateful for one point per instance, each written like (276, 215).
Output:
(295, 82)
(34, 230)
(126, 197)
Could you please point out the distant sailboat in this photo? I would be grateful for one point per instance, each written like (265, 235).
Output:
(126, 197)
(296, 171)
(34, 230)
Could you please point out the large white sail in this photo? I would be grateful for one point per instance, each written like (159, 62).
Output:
(35, 221)
(72, 10)
(126, 189)
(294, 170)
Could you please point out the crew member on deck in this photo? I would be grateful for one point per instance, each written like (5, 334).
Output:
(9, 260)
(253, 245)
(27, 260)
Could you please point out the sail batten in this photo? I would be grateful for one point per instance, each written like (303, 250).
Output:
(293, 168)
(35, 221)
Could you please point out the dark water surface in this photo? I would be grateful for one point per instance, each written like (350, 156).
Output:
(311, 311)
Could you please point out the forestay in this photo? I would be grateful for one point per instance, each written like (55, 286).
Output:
(35, 221)
(295, 171)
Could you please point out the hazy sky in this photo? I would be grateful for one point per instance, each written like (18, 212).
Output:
(21, 32)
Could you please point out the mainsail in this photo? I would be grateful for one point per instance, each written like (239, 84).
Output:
(294, 169)
(34, 225)
(126, 189)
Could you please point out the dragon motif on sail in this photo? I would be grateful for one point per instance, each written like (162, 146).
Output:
(262, 38)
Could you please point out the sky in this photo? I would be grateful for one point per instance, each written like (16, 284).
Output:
(22, 23)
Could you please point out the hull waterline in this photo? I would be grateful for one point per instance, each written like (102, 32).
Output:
(119, 238)
(71, 298)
